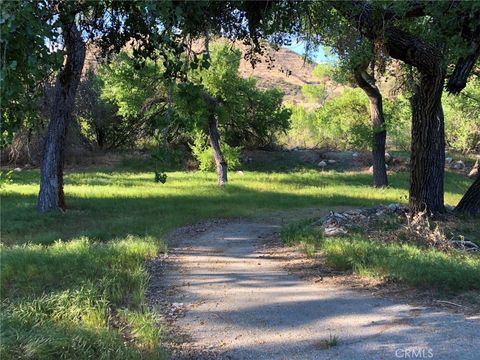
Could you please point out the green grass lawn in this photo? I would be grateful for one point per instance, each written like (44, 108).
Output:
(73, 285)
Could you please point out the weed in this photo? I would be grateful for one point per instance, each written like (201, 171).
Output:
(326, 344)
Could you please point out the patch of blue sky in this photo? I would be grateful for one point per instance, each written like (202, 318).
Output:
(318, 55)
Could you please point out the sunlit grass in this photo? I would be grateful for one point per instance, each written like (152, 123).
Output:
(402, 260)
(105, 205)
(64, 277)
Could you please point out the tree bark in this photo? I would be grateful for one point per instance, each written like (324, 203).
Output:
(51, 194)
(428, 146)
(217, 152)
(470, 202)
(367, 84)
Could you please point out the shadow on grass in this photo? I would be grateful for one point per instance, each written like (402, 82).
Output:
(108, 218)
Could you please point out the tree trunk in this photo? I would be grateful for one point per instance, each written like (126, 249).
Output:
(470, 202)
(428, 141)
(217, 152)
(51, 194)
(428, 146)
(367, 84)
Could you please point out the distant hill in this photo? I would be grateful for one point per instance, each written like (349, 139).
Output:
(288, 72)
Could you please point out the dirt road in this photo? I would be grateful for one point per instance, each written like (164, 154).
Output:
(228, 299)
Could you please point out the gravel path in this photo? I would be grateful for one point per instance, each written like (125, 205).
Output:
(227, 299)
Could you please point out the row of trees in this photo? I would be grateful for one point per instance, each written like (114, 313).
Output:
(438, 45)
(343, 119)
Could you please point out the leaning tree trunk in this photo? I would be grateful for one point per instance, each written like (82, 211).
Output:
(51, 194)
(470, 202)
(217, 152)
(367, 83)
(428, 146)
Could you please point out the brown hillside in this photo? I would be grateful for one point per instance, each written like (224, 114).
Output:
(288, 72)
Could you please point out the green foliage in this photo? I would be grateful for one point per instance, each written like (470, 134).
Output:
(398, 119)
(406, 263)
(5, 177)
(139, 93)
(168, 158)
(314, 92)
(345, 120)
(324, 70)
(203, 153)
(248, 116)
(145, 100)
(462, 113)
(129, 86)
(98, 117)
(303, 130)
(299, 232)
(27, 59)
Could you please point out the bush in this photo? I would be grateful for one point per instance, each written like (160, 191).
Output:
(303, 130)
(203, 152)
(398, 117)
(462, 128)
(345, 121)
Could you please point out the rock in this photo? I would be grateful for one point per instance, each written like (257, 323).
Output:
(388, 157)
(331, 161)
(458, 165)
(334, 231)
(465, 245)
(394, 207)
(355, 155)
(322, 164)
(17, 169)
(448, 160)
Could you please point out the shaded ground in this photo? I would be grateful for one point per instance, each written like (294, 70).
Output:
(227, 297)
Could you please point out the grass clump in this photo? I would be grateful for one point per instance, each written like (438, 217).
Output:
(326, 344)
(58, 300)
(411, 264)
(404, 262)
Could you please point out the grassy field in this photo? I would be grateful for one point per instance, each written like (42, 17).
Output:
(73, 285)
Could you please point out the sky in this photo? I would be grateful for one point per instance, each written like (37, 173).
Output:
(319, 56)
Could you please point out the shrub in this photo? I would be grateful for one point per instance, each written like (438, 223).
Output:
(345, 121)
(203, 152)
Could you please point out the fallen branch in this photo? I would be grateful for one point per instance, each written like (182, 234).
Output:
(448, 302)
